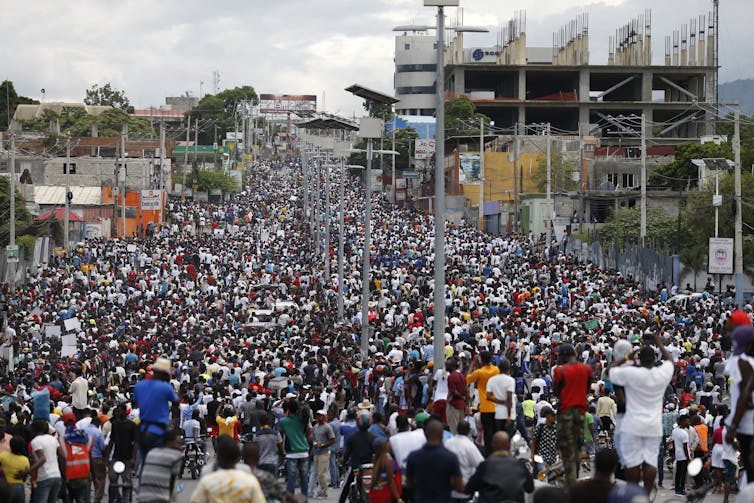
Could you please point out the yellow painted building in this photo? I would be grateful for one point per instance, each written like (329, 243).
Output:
(499, 177)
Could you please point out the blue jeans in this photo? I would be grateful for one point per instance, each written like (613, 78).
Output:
(18, 495)
(302, 466)
(47, 490)
(334, 469)
(147, 442)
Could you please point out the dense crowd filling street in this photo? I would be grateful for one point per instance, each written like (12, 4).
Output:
(212, 350)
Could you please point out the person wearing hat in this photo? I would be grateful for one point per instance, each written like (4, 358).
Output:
(154, 398)
(571, 383)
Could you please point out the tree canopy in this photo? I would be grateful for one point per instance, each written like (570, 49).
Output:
(682, 173)
(9, 100)
(220, 110)
(561, 177)
(78, 123)
(624, 226)
(461, 117)
(106, 95)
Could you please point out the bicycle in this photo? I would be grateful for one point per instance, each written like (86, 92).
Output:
(362, 478)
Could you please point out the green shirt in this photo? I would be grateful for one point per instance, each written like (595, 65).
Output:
(588, 422)
(295, 434)
(528, 406)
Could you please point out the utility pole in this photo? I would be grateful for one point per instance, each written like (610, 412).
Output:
(548, 217)
(643, 224)
(12, 240)
(185, 160)
(196, 141)
(739, 247)
(162, 167)
(481, 174)
(515, 179)
(327, 218)
(125, 172)
(67, 216)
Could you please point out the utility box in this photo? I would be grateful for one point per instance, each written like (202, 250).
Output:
(370, 127)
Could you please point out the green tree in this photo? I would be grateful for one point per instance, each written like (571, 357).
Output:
(23, 217)
(404, 143)
(213, 179)
(747, 138)
(106, 95)
(699, 221)
(9, 100)
(461, 117)
(624, 226)
(220, 110)
(682, 173)
(378, 110)
(561, 174)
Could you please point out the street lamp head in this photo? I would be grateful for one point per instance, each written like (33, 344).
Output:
(471, 29)
(441, 3)
(371, 94)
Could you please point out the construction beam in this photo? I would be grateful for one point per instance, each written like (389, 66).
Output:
(677, 123)
(616, 86)
(679, 88)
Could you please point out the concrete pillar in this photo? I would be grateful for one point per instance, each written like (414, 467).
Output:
(522, 84)
(95, 134)
(646, 85)
(584, 84)
(459, 78)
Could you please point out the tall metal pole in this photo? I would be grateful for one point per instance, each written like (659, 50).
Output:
(12, 240)
(439, 293)
(395, 187)
(481, 174)
(365, 255)
(67, 215)
(341, 236)
(643, 223)
(196, 141)
(515, 179)
(327, 219)
(125, 172)
(548, 217)
(162, 172)
(185, 160)
(739, 247)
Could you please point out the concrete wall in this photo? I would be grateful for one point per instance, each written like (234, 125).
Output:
(95, 172)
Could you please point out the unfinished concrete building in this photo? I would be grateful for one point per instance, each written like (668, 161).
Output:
(520, 86)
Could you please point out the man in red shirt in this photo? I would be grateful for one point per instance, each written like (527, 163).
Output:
(457, 390)
(571, 384)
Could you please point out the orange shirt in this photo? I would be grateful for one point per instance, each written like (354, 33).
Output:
(480, 376)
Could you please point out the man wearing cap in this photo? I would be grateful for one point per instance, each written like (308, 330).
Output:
(324, 437)
(154, 397)
(571, 384)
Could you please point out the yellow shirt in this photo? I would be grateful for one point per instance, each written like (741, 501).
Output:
(226, 426)
(12, 464)
(228, 486)
(480, 377)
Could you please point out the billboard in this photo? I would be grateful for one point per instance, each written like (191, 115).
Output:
(720, 256)
(150, 199)
(469, 166)
(424, 149)
(282, 103)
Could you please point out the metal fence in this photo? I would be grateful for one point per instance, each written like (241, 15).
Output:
(647, 266)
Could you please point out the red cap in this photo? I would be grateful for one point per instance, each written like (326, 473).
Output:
(739, 317)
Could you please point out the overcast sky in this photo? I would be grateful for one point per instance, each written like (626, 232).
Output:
(157, 48)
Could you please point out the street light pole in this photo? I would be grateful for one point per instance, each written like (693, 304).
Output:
(481, 174)
(341, 236)
(66, 217)
(548, 217)
(366, 256)
(12, 240)
(643, 223)
(439, 292)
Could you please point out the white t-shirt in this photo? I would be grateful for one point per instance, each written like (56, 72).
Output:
(405, 443)
(644, 390)
(49, 446)
(680, 437)
(441, 384)
(499, 386)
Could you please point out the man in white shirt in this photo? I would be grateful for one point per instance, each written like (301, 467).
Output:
(641, 428)
(469, 455)
(79, 389)
(681, 443)
(501, 389)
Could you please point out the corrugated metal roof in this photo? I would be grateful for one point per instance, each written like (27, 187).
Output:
(55, 195)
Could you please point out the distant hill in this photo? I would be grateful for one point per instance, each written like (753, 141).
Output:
(741, 91)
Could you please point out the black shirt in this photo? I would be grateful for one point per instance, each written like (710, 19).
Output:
(123, 437)
(359, 448)
(212, 412)
(593, 491)
(431, 468)
(500, 478)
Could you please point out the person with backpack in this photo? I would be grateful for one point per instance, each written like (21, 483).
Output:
(77, 446)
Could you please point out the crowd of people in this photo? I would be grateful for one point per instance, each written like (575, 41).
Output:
(218, 336)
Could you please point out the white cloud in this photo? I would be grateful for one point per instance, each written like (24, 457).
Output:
(294, 46)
